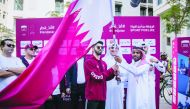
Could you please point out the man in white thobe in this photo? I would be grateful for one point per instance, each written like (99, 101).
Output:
(137, 92)
(155, 63)
(115, 88)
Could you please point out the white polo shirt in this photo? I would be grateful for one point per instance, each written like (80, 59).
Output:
(9, 62)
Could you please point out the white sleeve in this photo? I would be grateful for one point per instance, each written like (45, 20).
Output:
(123, 74)
(127, 67)
(136, 71)
(19, 63)
(160, 67)
(124, 78)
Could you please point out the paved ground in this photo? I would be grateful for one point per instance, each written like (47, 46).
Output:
(163, 104)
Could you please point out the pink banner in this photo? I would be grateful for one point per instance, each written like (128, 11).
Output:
(181, 73)
(132, 30)
(129, 31)
(174, 74)
(36, 31)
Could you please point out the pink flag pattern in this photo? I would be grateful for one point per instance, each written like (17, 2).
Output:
(81, 27)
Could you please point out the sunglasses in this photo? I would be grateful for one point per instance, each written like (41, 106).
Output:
(32, 49)
(144, 47)
(100, 47)
(10, 45)
(114, 48)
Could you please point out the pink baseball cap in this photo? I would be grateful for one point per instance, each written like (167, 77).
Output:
(31, 46)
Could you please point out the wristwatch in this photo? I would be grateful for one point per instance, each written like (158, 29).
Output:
(7, 69)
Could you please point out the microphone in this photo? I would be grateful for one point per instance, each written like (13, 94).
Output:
(135, 3)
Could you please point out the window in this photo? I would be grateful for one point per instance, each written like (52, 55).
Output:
(143, 1)
(168, 41)
(150, 1)
(59, 6)
(18, 5)
(118, 9)
(159, 2)
(150, 11)
(143, 11)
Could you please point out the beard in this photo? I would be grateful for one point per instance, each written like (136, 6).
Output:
(98, 52)
(136, 58)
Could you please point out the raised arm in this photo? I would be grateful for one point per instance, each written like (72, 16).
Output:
(159, 66)
(136, 71)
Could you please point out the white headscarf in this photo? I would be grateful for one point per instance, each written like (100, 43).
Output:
(108, 58)
(140, 47)
(148, 54)
(110, 61)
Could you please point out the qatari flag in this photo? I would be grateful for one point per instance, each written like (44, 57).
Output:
(81, 27)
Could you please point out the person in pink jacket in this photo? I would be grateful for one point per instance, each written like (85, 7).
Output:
(96, 75)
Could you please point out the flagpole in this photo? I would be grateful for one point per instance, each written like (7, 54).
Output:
(114, 36)
(113, 23)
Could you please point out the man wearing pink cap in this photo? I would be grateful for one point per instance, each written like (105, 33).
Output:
(30, 51)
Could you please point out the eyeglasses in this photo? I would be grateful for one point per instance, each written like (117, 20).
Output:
(10, 45)
(100, 47)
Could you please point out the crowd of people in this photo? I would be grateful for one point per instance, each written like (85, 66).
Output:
(98, 82)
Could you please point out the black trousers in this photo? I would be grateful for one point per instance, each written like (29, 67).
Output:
(78, 91)
(55, 103)
(95, 104)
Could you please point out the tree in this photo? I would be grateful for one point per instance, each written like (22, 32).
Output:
(55, 14)
(58, 13)
(67, 4)
(5, 32)
(177, 17)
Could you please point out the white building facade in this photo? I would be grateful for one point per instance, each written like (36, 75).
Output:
(161, 6)
(3, 11)
(12, 9)
(123, 8)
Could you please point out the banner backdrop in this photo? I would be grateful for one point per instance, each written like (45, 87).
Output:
(129, 31)
(181, 73)
(36, 31)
